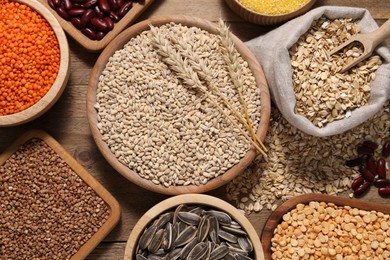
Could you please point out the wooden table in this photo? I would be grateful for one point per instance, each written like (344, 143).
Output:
(67, 120)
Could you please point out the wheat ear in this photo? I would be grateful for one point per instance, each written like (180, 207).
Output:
(184, 71)
(231, 59)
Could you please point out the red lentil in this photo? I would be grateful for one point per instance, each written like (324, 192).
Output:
(29, 57)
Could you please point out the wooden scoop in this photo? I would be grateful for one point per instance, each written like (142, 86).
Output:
(369, 41)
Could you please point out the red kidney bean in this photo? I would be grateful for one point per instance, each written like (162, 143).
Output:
(386, 149)
(99, 24)
(78, 1)
(100, 35)
(76, 22)
(89, 33)
(367, 175)
(370, 144)
(51, 4)
(114, 16)
(109, 22)
(362, 189)
(98, 12)
(124, 9)
(355, 162)
(365, 150)
(57, 3)
(381, 168)
(380, 183)
(104, 6)
(113, 4)
(385, 191)
(357, 183)
(89, 3)
(67, 4)
(121, 2)
(76, 11)
(86, 18)
(62, 12)
(371, 165)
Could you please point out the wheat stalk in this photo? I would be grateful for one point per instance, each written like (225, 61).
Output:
(185, 72)
(230, 56)
(199, 66)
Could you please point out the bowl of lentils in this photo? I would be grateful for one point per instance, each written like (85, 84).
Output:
(177, 104)
(193, 226)
(269, 12)
(34, 61)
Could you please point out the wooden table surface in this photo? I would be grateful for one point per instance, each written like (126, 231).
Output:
(67, 122)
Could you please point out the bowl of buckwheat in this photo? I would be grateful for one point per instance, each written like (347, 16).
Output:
(267, 12)
(178, 105)
(194, 226)
(35, 61)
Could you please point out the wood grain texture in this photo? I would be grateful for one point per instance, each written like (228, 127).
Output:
(55, 91)
(67, 121)
(276, 217)
(117, 44)
(96, 46)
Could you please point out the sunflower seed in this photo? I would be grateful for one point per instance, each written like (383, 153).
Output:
(223, 218)
(147, 237)
(185, 236)
(187, 248)
(227, 236)
(214, 229)
(219, 252)
(245, 244)
(168, 237)
(189, 218)
(204, 227)
(199, 251)
(156, 242)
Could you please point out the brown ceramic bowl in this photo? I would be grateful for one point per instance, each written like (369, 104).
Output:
(118, 43)
(266, 19)
(48, 100)
(192, 200)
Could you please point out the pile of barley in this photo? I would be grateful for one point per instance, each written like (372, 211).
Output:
(299, 163)
(323, 94)
(160, 128)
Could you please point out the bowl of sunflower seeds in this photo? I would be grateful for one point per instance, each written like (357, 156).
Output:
(193, 226)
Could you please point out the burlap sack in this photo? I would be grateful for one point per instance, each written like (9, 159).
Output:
(272, 48)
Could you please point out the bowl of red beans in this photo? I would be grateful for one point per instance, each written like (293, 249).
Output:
(34, 61)
(95, 23)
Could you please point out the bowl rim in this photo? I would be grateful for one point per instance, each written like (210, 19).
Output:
(199, 199)
(290, 14)
(131, 175)
(58, 86)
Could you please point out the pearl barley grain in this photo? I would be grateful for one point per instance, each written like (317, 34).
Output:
(168, 133)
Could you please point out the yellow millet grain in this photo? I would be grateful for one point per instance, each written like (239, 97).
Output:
(273, 7)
